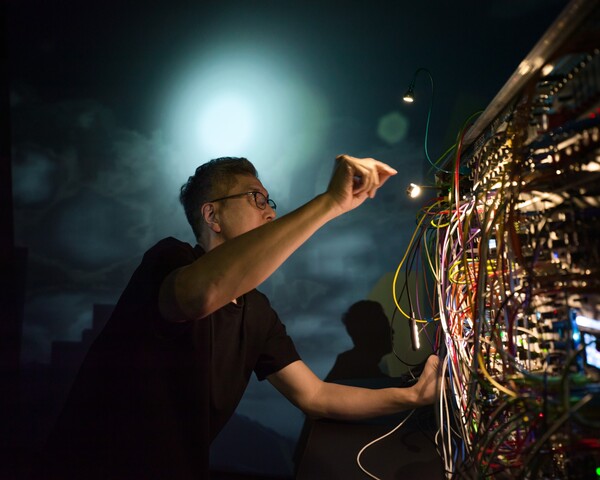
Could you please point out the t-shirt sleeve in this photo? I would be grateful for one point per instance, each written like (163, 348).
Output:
(158, 262)
(278, 351)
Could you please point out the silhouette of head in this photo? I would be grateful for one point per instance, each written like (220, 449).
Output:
(369, 327)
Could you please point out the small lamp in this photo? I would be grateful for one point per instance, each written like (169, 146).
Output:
(413, 190)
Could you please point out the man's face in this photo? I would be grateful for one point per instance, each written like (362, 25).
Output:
(239, 215)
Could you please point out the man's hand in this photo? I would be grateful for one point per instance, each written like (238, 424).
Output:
(355, 179)
(427, 389)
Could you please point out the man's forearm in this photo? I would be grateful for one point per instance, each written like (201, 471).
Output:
(322, 399)
(242, 263)
(343, 402)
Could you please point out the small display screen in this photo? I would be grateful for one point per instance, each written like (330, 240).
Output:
(592, 355)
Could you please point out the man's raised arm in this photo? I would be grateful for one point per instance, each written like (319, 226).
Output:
(242, 263)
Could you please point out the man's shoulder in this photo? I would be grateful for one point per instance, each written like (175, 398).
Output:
(170, 253)
(172, 244)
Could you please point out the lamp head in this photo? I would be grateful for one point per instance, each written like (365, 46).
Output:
(413, 190)
(409, 96)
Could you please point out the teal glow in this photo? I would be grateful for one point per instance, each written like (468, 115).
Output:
(243, 100)
(226, 123)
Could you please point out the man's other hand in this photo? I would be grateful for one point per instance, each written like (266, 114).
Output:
(428, 387)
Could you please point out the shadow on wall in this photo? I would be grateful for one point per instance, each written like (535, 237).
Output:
(369, 329)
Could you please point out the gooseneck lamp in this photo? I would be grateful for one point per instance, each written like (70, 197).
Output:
(409, 97)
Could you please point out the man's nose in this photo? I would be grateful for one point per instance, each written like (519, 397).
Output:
(270, 213)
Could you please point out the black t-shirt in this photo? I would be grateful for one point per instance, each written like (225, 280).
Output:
(151, 395)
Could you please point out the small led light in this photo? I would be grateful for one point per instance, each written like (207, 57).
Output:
(414, 335)
(547, 69)
(413, 190)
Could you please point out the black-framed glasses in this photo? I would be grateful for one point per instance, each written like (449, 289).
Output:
(259, 198)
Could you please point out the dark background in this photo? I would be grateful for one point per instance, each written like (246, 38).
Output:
(114, 104)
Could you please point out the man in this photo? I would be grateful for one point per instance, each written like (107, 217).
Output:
(171, 365)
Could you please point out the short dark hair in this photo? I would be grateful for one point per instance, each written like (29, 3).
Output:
(211, 179)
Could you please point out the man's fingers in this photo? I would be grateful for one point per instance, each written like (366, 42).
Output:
(364, 176)
(373, 174)
(384, 172)
(376, 183)
(364, 181)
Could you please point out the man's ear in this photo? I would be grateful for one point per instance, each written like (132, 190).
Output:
(210, 217)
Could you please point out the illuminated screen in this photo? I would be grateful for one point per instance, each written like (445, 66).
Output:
(592, 355)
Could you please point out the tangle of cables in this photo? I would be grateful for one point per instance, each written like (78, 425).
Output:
(512, 255)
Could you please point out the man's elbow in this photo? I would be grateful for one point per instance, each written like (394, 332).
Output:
(312, 406)
(313, 415)
(177, 304)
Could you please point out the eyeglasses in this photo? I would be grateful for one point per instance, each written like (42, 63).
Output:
(259, 198)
